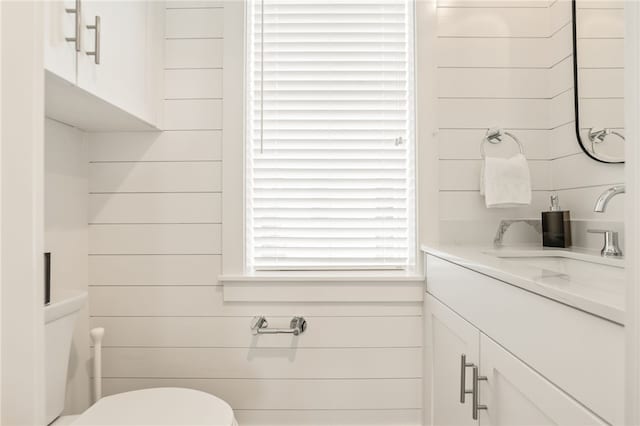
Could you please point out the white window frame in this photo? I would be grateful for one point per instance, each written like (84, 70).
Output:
(412, 258)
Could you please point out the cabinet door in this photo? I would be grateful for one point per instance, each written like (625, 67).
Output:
(515, 395)
(120, 77)
(60, 54)
(447, 338)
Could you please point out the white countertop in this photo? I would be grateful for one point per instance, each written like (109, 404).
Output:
(595, 288)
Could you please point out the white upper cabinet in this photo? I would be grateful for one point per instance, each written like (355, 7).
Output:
(59, 26)
(116, 74)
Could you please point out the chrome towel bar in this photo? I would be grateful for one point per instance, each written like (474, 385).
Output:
(259, 325)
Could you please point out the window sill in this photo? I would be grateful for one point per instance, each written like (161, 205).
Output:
(324, 286)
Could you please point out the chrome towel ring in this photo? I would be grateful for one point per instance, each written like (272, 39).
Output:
(495, 135)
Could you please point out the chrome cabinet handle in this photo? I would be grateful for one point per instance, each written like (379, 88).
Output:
(476, 406)
(463, 377)
(96, 52)
(78, 12)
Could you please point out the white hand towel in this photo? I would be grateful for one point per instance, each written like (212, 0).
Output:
(505, 182)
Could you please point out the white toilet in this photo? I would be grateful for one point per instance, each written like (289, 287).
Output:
(156, 406)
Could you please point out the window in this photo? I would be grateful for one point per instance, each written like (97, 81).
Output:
(330, 135)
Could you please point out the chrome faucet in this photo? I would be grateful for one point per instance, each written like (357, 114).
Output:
(610, 248)
(606, 196)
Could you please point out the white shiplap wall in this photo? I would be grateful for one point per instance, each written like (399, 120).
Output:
(578, 179)
(601, 62)
(509, 64)
(155, 231)
(493, 64)
(155, 255)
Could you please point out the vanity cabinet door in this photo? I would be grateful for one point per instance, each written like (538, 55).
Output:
(515, 395)
(447, 337)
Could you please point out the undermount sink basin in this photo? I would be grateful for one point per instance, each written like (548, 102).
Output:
(555, 257)
(557, 265)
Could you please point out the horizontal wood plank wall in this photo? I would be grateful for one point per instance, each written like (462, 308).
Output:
(509, 63)
(563, 140)
(493, 70)
(155, 255)
(576, 178)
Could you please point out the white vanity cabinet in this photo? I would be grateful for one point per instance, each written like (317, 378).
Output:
(447, 338)
(118, 65)
(513, 393)
(545, 363)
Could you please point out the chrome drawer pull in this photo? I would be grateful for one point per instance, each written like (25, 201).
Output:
(463, 377)
(476, 406)
(78, 24)
(96, 28)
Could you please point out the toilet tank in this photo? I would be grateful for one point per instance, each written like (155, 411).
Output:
(59, 317)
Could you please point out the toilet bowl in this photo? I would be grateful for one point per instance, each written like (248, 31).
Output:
(147, 407)
(158, 407)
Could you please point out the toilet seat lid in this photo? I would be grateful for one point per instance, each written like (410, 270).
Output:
(158, 407)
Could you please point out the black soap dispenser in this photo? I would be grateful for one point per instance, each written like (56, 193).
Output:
(556, 226)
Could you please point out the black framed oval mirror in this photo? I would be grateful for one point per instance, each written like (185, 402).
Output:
(598, 75)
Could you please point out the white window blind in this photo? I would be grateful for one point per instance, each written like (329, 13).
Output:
(330, 134)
